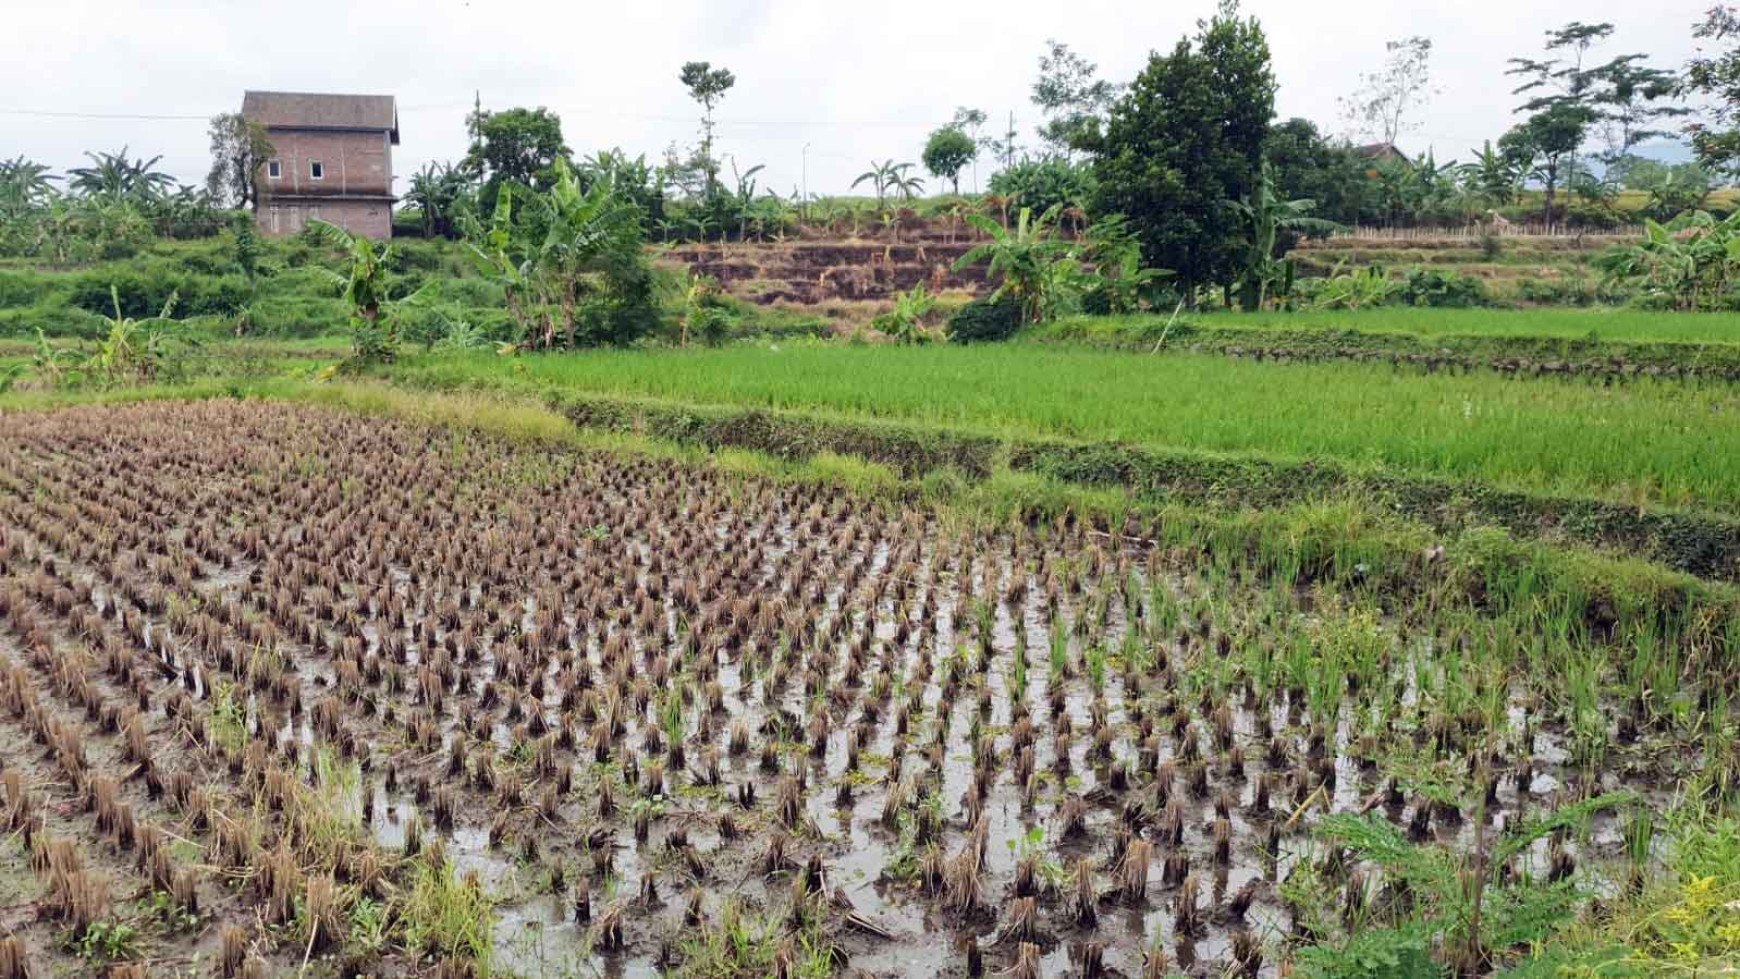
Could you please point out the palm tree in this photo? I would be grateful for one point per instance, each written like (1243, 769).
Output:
(1027, 257)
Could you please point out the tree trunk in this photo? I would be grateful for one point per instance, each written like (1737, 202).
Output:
(1552, 186)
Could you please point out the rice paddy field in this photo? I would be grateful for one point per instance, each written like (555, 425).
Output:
(419, 675)
(1598, 323)
(1665, 442)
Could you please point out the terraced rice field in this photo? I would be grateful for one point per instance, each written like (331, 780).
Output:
(284, 690)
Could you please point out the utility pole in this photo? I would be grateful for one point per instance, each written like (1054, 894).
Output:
(804, 205)
(1009, 143)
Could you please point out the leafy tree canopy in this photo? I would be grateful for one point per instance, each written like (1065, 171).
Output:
(519, 145)
(1716, 77)
(1188, 135)
(948, 151)
(1071, 97)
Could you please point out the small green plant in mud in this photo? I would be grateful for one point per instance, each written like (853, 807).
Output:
(107, 941)
(368, 925)
(162, 908)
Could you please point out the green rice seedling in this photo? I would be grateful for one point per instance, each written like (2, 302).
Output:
(1059, 663)
(1588, 719)
(1094, 658)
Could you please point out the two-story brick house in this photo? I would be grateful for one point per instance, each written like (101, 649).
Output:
(333, 160)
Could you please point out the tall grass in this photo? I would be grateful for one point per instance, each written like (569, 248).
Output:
(1647, 441)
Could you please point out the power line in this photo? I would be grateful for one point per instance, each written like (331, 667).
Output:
(605, 113)
(98, 115)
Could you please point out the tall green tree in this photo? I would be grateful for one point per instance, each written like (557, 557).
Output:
(707, 85)
(1071, 96)
(1544, 147)
(239, 151)
(972, 122)
(947, 153)
(518, 145)
(1332, 173)
(1715, 77)
(1563, 89)
(1633, 102)
(1188, 135)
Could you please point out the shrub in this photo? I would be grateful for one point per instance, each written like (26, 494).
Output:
(24, 288)
(985, 321)
(423, 256)
(1557, 292)
(60, 322)
(299, 317)
(1040, 184)
(140, 293)
(219, 296)
(1440, 288)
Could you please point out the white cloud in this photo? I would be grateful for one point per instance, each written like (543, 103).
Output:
(851, 82)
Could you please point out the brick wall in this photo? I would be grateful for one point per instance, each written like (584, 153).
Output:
(371, 219)
(353, 163)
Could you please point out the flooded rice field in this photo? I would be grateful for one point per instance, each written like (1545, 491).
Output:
(285, 690)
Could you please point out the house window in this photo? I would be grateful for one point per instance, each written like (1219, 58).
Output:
(274, 169)
(274, 219)
(314, 214)
(316, 170)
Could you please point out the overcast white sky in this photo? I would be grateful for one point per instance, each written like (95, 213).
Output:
(851, 81)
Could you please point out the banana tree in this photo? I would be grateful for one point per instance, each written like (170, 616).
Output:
(25, 186)
(1265, 215)
(878, 176)
(365, 286)
(1116, 281)
(1692, 261)
(1030, 261)
(906, 186)
(1492, 176)
(116, 176)
(494, 253)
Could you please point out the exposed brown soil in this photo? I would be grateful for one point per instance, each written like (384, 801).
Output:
(813, 272)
